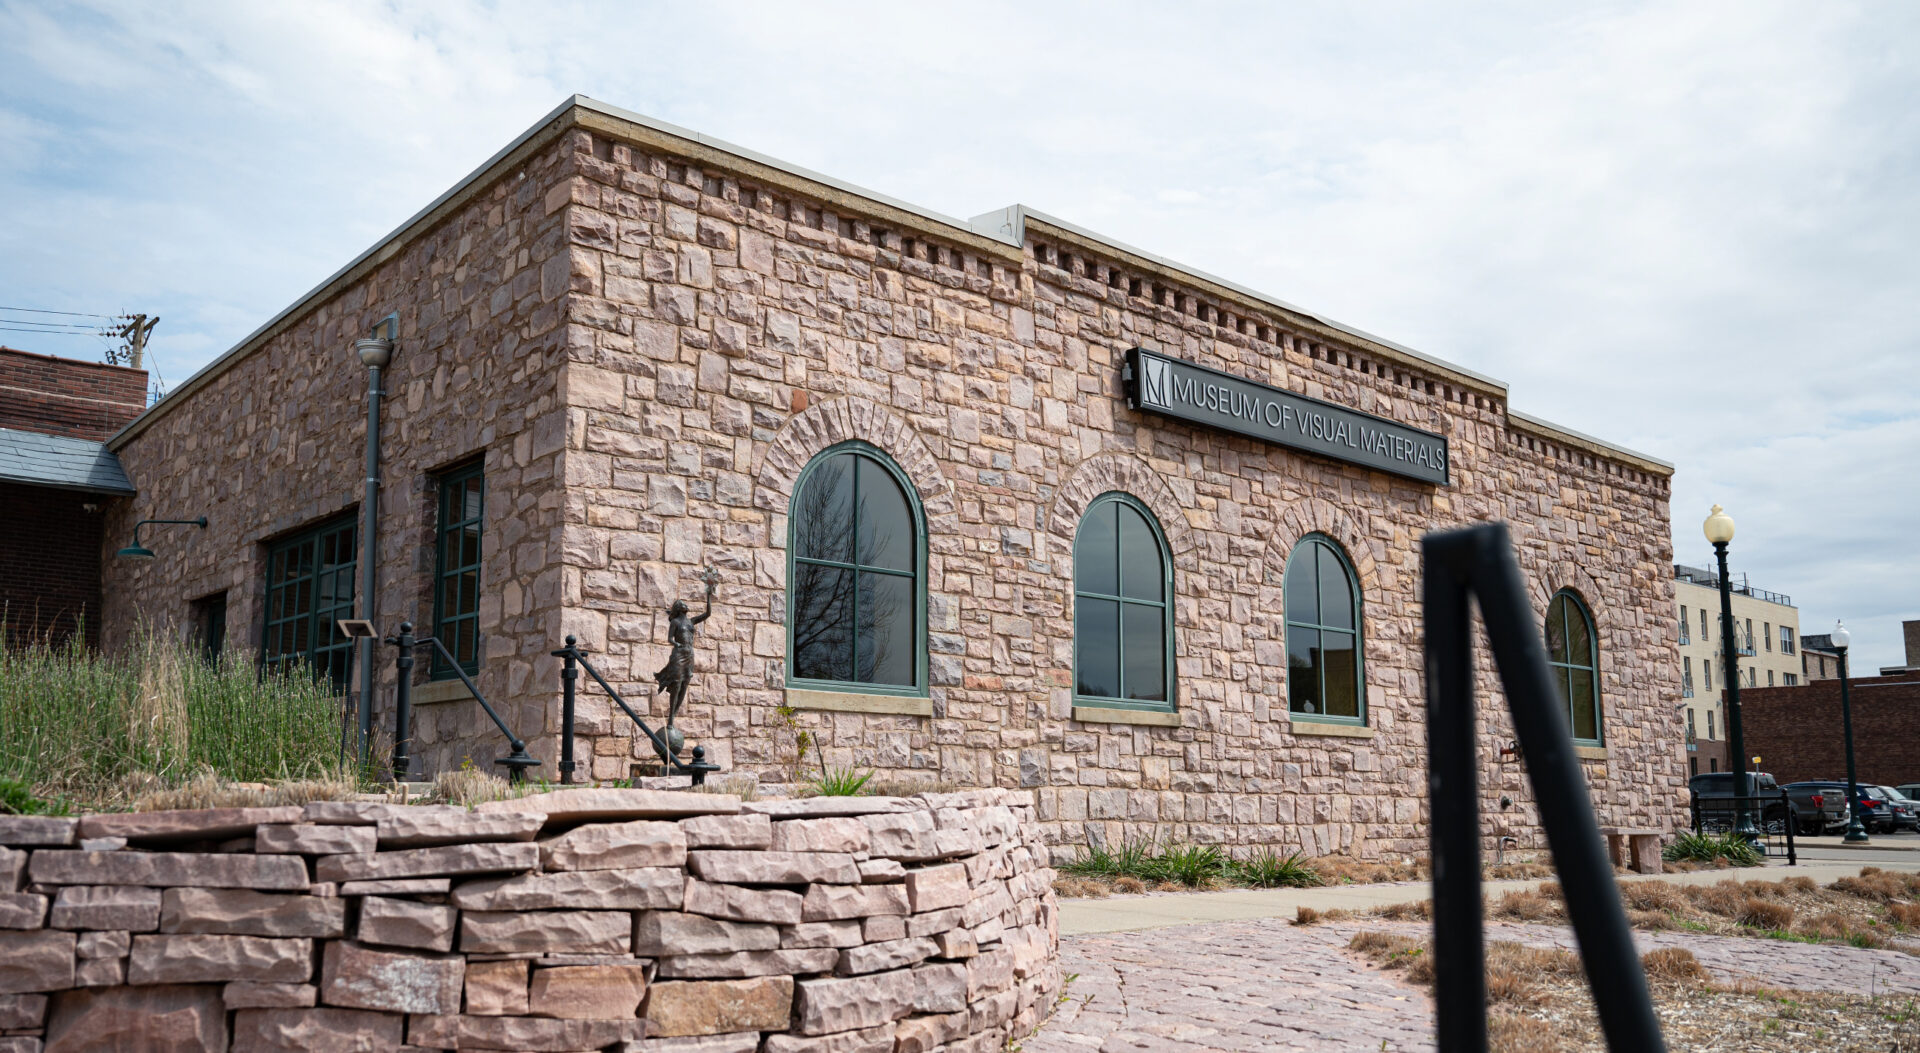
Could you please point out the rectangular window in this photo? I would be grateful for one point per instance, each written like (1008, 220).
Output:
(1710, 725)
(1686, 682)
(209, 620)
(1769, 678)
(1713, 764)
(1703, 623)
(456, 570)
(1693, 765)
(1789, 680)
(1684, 624)
(310, 588)
(1690, 723)
(1786, 639)
(1706, 673)
(1766, 633)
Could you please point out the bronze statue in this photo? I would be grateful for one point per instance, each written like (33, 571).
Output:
(674, 676)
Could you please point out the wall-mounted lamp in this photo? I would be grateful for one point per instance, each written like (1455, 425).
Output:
(140, 553)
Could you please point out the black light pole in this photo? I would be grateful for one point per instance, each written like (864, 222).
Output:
(1719, 530)
(1856, 830)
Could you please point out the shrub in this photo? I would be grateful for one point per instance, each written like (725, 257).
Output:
(16, 798)
(1268, 869)
(1710, 848)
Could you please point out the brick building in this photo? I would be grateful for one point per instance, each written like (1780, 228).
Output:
(958, 526)
(56, 477)
(1797, 734)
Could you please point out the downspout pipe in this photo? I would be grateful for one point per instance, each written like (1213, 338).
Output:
(376, 352)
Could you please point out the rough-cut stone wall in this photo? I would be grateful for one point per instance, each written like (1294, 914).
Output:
(277, 442)
(738, 329)
(636, 920)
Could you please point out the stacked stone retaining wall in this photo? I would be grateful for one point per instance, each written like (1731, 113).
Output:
(582, 919)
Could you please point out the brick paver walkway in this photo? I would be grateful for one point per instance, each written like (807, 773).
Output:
(1265, 984)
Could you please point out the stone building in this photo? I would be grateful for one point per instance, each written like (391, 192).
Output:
(954, 541)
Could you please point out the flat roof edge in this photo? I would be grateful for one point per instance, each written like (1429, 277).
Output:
(1551, 429)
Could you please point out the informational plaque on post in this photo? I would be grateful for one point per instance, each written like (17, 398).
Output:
(1185, 391)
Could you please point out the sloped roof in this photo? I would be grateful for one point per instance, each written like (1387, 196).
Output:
(58, 461)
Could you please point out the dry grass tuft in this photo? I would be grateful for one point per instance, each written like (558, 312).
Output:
(1522, 905)
(1532, 961)
(907, 787)
(1801, 884)
(745, 787)
(1650, 919)
(1726, 899)
(1079, 888)
(1831, 925)
(1422, 911)
(208, 790)
(1674, 963)
(1762, 914)
(470, 786)
(1905, 915)
(1346, 870)
(1875, 884)
(1309, 916)
(1653, 895)
(1511, 1033)
(1129, 884)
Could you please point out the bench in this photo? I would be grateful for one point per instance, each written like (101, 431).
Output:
(1643, 847)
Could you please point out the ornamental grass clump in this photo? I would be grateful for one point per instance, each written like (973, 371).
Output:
(1269, 869)
(1714, 849)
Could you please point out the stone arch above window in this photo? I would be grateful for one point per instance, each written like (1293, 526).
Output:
(1320, 516)
(1105, 473)
(826, 424)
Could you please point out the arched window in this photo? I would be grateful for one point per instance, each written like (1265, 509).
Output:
(1324, 632)
(1122, 607)
(1576, 664)
(856, 576)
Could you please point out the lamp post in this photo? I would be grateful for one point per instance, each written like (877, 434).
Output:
(376, 353)
(1856, 830)
(1719, 531)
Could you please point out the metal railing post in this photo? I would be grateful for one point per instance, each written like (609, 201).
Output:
(518, 761)
(569, 687)
(1460, 977)
(403, 703)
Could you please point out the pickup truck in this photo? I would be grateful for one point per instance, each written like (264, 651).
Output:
(1712, 792)
(1819, 806)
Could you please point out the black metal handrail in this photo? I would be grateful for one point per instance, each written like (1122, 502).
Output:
(516, 762)
(1720, 814)
(574, 658)
(1478, 563)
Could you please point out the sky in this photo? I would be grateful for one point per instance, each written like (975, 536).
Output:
(1686, 228)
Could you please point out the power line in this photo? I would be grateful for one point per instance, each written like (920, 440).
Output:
(75, 314)
(52, 332)
(52, 325)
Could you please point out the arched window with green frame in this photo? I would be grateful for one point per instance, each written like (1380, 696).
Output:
(856, 576)
(1122, 607)
(1325, 634)
(1575, 658)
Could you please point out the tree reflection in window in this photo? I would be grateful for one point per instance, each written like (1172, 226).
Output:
(1576, 665)
(1122, 603)
(1324, 633)
(856, 579)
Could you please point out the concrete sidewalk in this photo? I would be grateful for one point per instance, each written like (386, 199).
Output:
(1160, 910)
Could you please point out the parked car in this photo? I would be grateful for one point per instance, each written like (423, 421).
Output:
(1820, 806)
(1909, 790)
(1713, 793)
(1912, 803)
(1893, 812)
(1878, 813)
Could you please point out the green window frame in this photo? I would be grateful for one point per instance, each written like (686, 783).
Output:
(456, 569)
(1323, 604)
(310, 588)
(849, 576)
(1573, 651)
(1122, 608)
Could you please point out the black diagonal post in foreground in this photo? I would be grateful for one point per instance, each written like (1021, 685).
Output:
(1478, 561)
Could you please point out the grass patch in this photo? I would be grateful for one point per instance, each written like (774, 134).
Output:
(1136, 864)
(101, 731)
(840, 782)
(1269, 869)
(1713, 849)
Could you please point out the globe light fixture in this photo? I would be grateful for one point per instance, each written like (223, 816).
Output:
(1719, 526)
(1719, 530)
(1856, 830)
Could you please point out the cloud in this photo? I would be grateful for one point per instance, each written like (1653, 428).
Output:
(1685, 228)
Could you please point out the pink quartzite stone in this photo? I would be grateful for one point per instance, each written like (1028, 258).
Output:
(828, 1005)
(883, 927)
(22, 910)
(728, 831)
(106, 907)
(924, 1034)
(713, 1007)
(313, 839)
(841, 834)
(604, 805)
(940, 987)
(831, 902)
(660, 933)
(497, 988)
(936, 887)
(845, 933)
(315, 1031)
(351, 813)
(100, 972)
(42, 960)
(792, 962)
(187, 824)
(21, 1011)
(165, 1019)
(588, 992)
(560, 932)
(881, 871)
(905, 836)
(422, 827)
(364, 978)
(773, 868)
(654, 888)
(821, 807)
(523, 1033)
(935, 922)
(875, 957)
(240, 912)
(423, 886)
(13, 869)
(735, 903)
(104, 944)
(247, 994)
(405, 923)
(162, 869)
(37, 830)
(989, 973)
(739, 1042)
(872, 1040)
(616, 846)
(429, 862)
(218, 959)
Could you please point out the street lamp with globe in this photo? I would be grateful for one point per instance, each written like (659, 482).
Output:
(1719, 531)
(1856, 830)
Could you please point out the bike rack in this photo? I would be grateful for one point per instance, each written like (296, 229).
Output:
(1478, 562)
(574, 659)
(516, 762)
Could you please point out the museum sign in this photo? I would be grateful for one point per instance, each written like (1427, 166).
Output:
(1180, 389)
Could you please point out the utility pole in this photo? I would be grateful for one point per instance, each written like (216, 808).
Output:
(134, 331)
